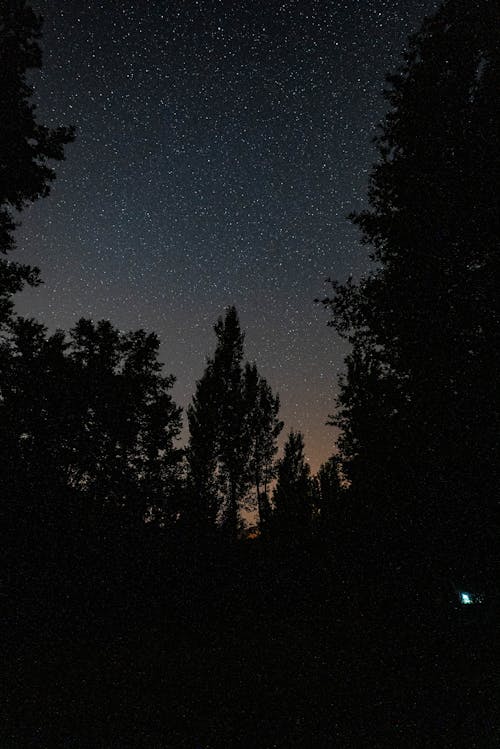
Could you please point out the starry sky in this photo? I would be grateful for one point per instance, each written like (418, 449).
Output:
(220, 146)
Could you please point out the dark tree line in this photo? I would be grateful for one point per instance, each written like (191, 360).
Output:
(231, 456)
(418, 407)
(88, 414)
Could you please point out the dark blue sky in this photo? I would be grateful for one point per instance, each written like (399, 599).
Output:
(220, 147)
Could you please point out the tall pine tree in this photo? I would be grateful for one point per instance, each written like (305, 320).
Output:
(233, 426)
(293, 493)
(328, 497)
(264, 428)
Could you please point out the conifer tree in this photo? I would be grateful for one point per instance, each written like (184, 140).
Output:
(292, 496)
(328, 495)
(233, 425)
(264, 430)
(233, 447)
(202, 502)
(218, 451)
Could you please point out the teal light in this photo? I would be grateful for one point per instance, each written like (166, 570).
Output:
(465, 598)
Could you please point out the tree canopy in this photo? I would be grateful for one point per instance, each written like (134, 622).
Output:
(233, 425)
(419, 404)
(27, 147)
(293, 493)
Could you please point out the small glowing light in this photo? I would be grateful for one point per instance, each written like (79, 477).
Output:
(465, 598)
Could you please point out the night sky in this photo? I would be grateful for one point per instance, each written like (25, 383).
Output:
(220, 147)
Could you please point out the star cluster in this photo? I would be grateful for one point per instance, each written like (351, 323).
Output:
(220, 146)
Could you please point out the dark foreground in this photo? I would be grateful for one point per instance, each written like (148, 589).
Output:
(243, 651)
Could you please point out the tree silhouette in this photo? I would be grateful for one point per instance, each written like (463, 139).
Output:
(420, 446)
(35, 422)
(26, 146)
(202, 503)
(218, 452)
(89, 418)
(126, 452)
(264, 428)
(233, 444)
(328, 496)
(292, 496)
(233, 425)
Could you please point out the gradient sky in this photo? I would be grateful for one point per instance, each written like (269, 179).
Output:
(220, 146)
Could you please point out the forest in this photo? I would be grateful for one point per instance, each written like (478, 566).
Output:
(213, 592)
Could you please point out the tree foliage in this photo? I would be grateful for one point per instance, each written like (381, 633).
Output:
(293, 493)
(27, 147)
(264, 428)
(328, 497)
(233, 425)
(87, 418)
(419, 405)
